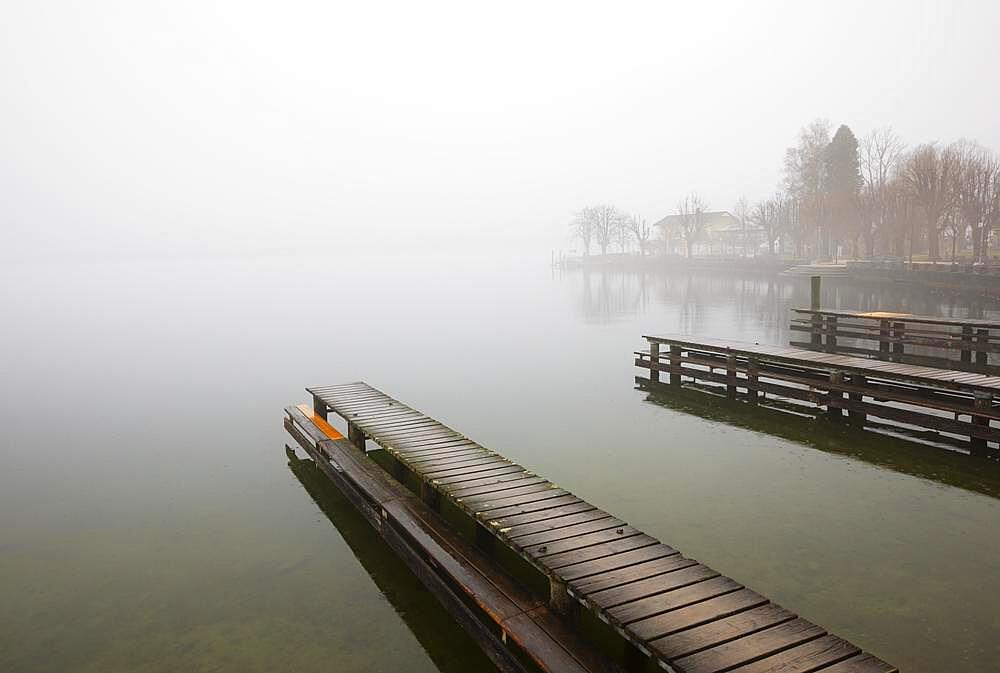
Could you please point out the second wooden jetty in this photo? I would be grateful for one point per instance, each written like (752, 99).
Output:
(961, 407)
(609, 596)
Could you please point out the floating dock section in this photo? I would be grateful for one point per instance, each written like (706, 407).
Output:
(541, 578)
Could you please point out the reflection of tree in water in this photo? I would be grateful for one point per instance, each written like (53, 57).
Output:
(750, 306)
(610, 296)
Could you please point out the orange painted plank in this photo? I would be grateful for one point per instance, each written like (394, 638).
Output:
(327, 429)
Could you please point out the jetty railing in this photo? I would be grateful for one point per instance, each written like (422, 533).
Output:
(961, 407)
(963, 344)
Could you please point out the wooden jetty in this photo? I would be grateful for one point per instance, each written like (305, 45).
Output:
(962, 344)
(959, 406)
(542, 579)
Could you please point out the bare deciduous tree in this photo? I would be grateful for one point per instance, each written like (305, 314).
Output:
(641, 232)
(606, 218)
(582, 227)
(879, 156)
(742, 212)
(691, 220)
(977, 194)
(928, 172)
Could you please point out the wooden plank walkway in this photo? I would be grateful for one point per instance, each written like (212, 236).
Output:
(469, 586)
(677, 612)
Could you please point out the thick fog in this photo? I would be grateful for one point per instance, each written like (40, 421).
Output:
(133, 130)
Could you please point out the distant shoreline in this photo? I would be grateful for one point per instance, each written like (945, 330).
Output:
(942, 276)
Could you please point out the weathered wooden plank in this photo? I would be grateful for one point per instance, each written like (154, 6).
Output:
(552, 523)
(480, 465)
(545, 652)
(672, 600)
(498, 486)
(530, 507)
(431, 463)
(751, 648)
(481, 502)
(694, 615)
(606, 570)
(861, 663)
(549, 537)
(485, 507)
(633, 572)
(542, 516)
(572, 557)
(651, 586)
(582, 541)
(720, 631)
(507, 468)
(484, 481)
(805, 658)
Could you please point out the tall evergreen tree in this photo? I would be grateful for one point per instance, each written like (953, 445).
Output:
(843, 183)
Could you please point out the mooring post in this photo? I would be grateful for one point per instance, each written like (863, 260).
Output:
(320, 408)
(731, 376)
(835, 413)
(982, 356)
(654, 361)
(675, 365)
(817, 319)
(898, 333)
(753, 371)
(831, 334)
(967, 344)
(883, 339)
(982, 401)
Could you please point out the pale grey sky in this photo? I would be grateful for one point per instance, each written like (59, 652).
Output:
(135, 128)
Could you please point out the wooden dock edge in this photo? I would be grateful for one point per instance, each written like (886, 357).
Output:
(515, 630)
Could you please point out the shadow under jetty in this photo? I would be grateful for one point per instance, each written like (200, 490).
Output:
(448, 646)
(893, 452)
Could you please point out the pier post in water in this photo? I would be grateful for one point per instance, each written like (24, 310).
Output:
(817, 319)
(982, 356)
(654, 362)
(983, 402)
(753, 371)
(731, 376)
(835, 413)
(675, 366)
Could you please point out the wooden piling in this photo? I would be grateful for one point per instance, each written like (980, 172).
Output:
(675, 366)
(654, 360)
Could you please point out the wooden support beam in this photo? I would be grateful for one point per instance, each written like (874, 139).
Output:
(983, 338)
(966, 344)
(833, 411)
(355, 434)
(977, 445)
(856, 416)
(831, 334)
(320, 408)
(654, 359)
(675, 366)
(731, 376)
(899, 332)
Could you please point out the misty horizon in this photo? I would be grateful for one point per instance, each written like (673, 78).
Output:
(130, 132)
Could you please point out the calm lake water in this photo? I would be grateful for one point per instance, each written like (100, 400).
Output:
(150, 519)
